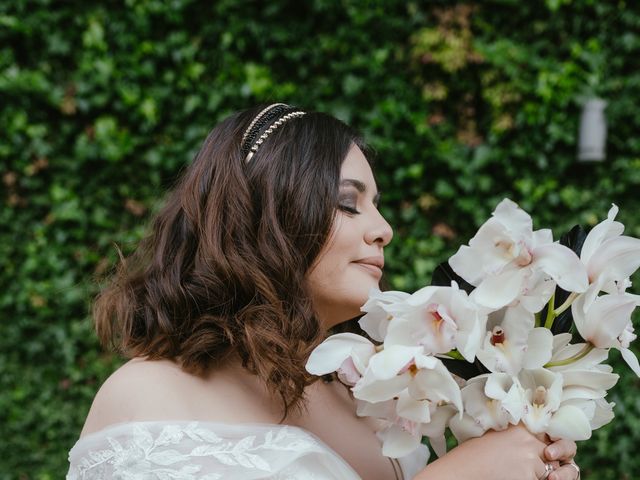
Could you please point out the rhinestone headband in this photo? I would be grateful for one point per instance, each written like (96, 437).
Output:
(259, 116)
(266, 117)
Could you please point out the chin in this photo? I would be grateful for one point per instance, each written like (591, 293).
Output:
(357, 301)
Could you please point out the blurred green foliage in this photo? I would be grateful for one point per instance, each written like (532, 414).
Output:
(103, 103)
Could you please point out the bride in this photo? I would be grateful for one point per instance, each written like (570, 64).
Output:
(271, 237)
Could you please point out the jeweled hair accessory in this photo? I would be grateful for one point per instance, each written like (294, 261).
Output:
(273, 116)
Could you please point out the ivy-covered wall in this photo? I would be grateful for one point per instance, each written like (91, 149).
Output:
(103, 103)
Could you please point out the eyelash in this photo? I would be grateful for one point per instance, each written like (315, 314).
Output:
(349, 210)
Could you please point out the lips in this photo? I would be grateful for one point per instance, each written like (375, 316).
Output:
(373, 265)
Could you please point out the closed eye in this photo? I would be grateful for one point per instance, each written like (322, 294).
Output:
(349, 210)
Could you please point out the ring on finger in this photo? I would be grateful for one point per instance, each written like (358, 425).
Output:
(548, 468)
(574, 466)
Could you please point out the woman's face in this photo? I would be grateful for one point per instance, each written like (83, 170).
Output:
(351, 262)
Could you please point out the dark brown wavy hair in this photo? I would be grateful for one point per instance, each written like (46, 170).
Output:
(223, 268)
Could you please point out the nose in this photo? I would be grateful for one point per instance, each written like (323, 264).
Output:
(380, 231)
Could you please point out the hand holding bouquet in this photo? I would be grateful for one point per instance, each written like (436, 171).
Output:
(488, 344)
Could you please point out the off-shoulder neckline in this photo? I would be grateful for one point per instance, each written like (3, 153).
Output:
(228, 425)
(207, 423)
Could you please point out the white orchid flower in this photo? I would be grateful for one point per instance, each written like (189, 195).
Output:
(347, 354)
(491, 401)
(543, 411)
(538, 289)
(425, 376)
(434, 430)
(606, 323)
(401, 434)
(377, 315)
(512, 343)
(465, 428)
(588, 384)
(435, 383)
(407, 421)
(608, 255)
(440, 319)
(584, 375)
(574, 356)
(598, 411)
(504, 257)
(620, 287)
(494, 401)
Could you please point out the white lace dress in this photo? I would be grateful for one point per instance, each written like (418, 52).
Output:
(189, 450)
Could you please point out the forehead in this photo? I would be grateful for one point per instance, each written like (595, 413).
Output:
(356, 166)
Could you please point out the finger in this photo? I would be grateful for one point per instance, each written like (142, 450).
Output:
(565, 472)
(563, 450)
(540, 471)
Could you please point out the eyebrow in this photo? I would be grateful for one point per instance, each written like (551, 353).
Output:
(360, 186)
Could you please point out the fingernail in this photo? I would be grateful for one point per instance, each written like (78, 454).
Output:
(552, 452)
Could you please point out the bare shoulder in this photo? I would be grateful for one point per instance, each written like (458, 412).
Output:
(148, 390)
(138, 390)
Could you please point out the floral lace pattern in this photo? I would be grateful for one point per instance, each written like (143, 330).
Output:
(195, 451)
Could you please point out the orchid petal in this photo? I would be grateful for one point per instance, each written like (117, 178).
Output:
(631, 360)
(397, 442)
(471, 329)
(538, 289)
(439, 420)
(554, 392)
(465, 428)
(435, 429)
(374, 390)
(487, 412)
(499, 290)
(516, 219)
(505, 388)
(387, 363)
(605, 319)
(593, 379)
(603, 413)
(542, 237)
(492, 256)
(330, 354)
(594, 357)
(376, 319)
(635, 298)
(570, 423)
(539, 348)
(563, 265)
(598, 234)
(465, 263)
(348, 372)
(589, 296)
(581, 393)
(497, 385)
(561, 340)
(588, 407)
(423, 296)
(439, 445)
(411, 409)
(384, 409)
(617, 259)
(436, 385)
(426, 361)
(402, 332)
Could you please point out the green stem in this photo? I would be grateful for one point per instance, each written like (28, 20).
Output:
(538, 319)
(581, 354)
(456, 355)
(551, 314)
(567, 303)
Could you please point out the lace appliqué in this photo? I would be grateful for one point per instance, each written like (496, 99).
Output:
(140, 456)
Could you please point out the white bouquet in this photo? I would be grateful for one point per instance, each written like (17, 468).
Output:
(488, 345)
